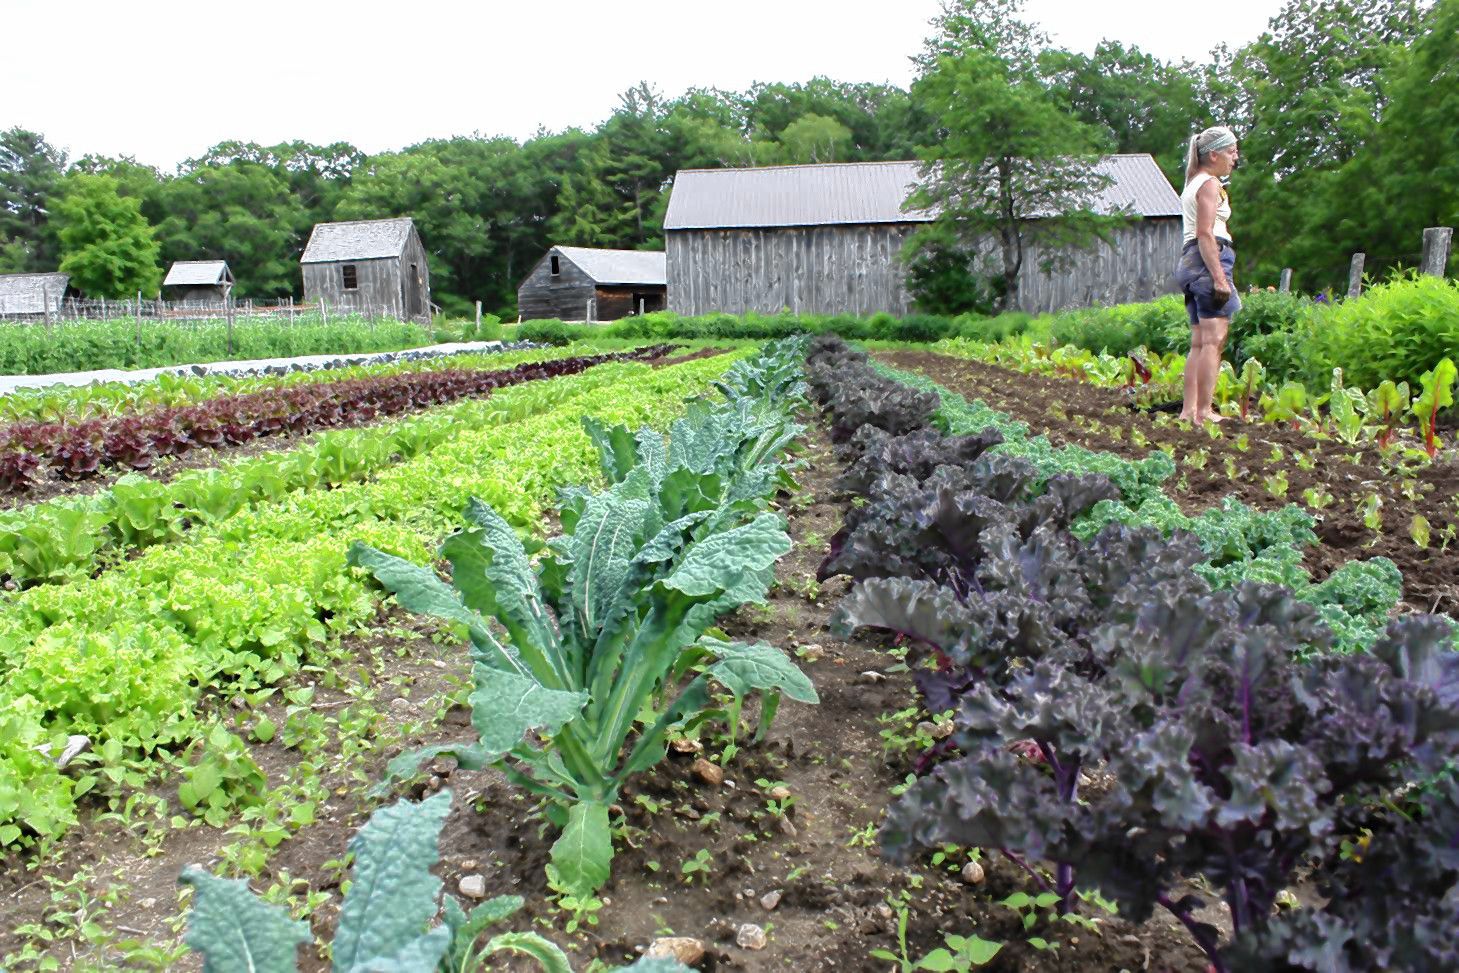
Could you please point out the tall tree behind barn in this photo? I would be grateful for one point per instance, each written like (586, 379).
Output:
(825, 239)
(198, 282)
(577, 283)
(369, 266)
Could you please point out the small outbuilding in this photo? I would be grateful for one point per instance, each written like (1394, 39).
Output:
(368, 266)
(585, 284)
(825, 239)
(198, 282)
(32, 297)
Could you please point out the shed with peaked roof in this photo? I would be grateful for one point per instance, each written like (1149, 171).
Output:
(32, 297)
(585, 284)
(825, 239)
(375, 267)
(198, 281)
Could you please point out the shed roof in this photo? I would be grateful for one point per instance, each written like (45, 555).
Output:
(357, 240)
(197, 273)
(865, 192)
(31, 293)
(646, 267)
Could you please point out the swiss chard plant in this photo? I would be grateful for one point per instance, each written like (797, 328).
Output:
(1437, 394)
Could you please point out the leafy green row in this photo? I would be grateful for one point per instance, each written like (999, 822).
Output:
(1243, 544)
(608, 644)
(65, 539)
(126, 656)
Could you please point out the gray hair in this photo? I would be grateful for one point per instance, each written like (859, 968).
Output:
(1213, 139)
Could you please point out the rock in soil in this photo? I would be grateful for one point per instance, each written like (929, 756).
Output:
(770, 900)
(750, 936)
(711, 774)
(973, 873)
(872, 676)
(685, 745)
(682, 948)
(473, 886)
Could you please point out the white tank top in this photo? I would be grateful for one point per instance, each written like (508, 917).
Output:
(1188, 209)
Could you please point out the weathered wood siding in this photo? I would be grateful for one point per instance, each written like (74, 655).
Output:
(856, 270)
(566, 296)
(195, 294)
(1137, 266)
(415, 278)
(810, 270)
(378, 285)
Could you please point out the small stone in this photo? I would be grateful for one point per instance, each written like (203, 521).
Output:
(972, 873)
(442, 767)
(770, 900)
(686, 745)
(883, 910)
(682, 948)
(148, 903)
(711, 774)
(470, 865)
(872, 676)
(472, 886)
(400, 703)
(812, 653)
(781, 793)
(662, 900)
(750, 936)
(786, 827)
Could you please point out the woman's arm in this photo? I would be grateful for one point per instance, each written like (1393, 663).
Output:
(1208, 199)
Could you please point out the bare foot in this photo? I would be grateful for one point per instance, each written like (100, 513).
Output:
(1215, 417)
(1186, 417)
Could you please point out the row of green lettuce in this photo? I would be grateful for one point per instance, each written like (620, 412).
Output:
(1242, 544)
(68, 538)
(128, 658)
(1396, 330)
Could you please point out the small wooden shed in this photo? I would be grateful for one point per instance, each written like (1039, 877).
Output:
(585, 284)
(198, 282)
(32, 297)
(825, 239)
(368, 266)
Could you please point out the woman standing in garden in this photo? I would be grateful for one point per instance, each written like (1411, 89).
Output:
(1206, 267)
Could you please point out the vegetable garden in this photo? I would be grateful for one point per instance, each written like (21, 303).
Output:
(765, 655)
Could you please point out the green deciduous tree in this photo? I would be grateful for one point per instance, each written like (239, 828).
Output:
(30, 176)
(1009, 165)
(241, 212)
(107, 246)
(816, 138)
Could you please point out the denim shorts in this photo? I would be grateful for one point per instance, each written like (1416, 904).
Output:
(1195, 283)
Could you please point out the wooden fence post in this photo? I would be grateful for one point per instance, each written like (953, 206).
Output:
(1286, 282)
(138, 321)
(323, 309)
(228, 310)
(1355, 274)
(477, 332)
(46, 308)
(1436, 250)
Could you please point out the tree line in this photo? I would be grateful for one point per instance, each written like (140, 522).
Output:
(1345, 109)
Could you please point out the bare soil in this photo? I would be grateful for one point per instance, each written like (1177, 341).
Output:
(1071, 411)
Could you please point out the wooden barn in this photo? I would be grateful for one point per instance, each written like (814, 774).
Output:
(368, 266)
(198, 282)
(583, 284)
(824, 239)
(32, 297)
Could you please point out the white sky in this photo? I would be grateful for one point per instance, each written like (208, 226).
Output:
(164, 80)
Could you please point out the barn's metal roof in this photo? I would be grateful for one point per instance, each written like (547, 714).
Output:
(197, 273)
(31, 293)
(357, 240)
(645, 267)
(865, 192)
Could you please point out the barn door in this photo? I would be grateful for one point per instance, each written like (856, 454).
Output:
(410, 293)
